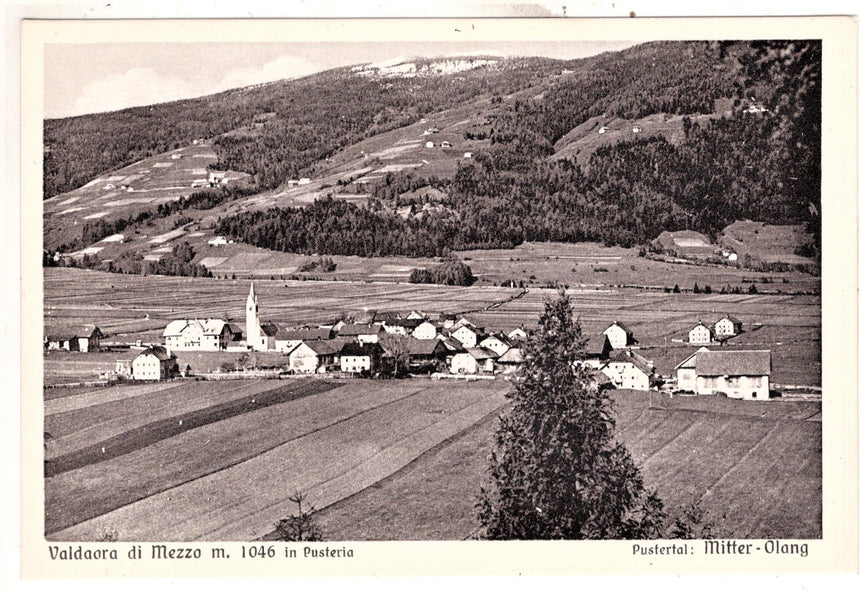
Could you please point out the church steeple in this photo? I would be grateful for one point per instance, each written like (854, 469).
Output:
(252, 322)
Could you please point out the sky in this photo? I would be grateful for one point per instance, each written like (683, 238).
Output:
(93, 78)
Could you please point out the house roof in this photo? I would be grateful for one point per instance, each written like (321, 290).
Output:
(269, 329)
(703, 325)
(620, 325)
(454, 344)
(403, 323)
(360, 350)
(512, 355)
(67, 332)
(159, 351)
(731, 318)
(481, 353)
(713, 363)
(414, 346)
(690, 362)
(635, 359)
(597, 344)
(304, 334)
(209, 326)
(325, 347)
(359, 329)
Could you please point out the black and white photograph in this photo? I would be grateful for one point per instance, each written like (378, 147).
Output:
(300, 292)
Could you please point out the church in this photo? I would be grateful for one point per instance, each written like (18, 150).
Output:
(258, 336)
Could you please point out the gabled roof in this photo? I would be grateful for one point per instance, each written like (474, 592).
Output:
(159, 351)
(595, 345)
(731, 318)
(403, 323)
(690, 362)
(325, 347)
(208, 326)
(512, 355)
(620, 325)
(715, 363)
(453, 344)
(67, 332)
(359, 329)
(269, 329)
(353, 349)
(414, 346)
(635, 359)
(305, 334)
(481, 354)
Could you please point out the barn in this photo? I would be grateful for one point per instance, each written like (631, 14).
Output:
(737, 374)
(83, 338)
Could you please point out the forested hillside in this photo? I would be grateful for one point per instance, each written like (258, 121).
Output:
(762, 165)
(272, 131)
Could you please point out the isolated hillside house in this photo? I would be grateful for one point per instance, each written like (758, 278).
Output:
(467, 155)
(728, 326)
(425, 331)
(685, 371)
(210, 334)
(446, 144)
(359, 358)
(620, 336)
(499, 344)
(83, 338)
(315, 356)
(700, 334)
(597, 350)
(737, 374)
(602, 130)
(153, 364)
(629, 371)
(684, 244)
(429, 144)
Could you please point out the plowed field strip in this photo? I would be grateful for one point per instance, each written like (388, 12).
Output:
(143, 436)
(333, 461)
(109, 420)
(95, 397)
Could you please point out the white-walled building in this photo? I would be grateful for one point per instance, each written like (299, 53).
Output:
(153, 364)
(210, 334)
(700, 334)
(686, 372)
(727, 326)
(737, 374)
(619, 335)
(629, 371)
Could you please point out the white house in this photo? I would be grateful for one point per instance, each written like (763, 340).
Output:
(700, 334)
(602, 130)
(467, 335)
(629, 371)
(425, 331)
(315, 356)
(518, 334)
(429, 144)
(727, 326)
(737, 374)
(446, 144)
(83, 338)
(496, 343)
(619, 335)
(473, 360)
(467, 155)
(153, 364)
(686, 372)
(358, 358)
(210, 334)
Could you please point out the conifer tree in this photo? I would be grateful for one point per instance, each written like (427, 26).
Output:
(556, 471)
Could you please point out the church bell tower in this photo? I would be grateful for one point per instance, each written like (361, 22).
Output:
(252, 321)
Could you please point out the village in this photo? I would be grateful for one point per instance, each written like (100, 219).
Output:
(395, 344)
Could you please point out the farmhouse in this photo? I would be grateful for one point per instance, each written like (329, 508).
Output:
(83, 338)
(727, 326)
(153, 364)
(425, 331)
(496, 343)
(737, 374)
(208, 334)
(429, 144)
(684, 244)
(315, 355)
(686, 372)
(287, 340)
(362, 333)
(446, 144)
(619, 335)
(629, 371)
(468, 335)
(401, 327)
(597, 350)
(358, 358)
(518, 334)
(473, 360)
(700, 334)
(511, 360)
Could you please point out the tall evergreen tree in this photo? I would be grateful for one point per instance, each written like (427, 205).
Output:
(557, 471)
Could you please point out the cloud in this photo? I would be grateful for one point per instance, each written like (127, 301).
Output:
(277, 69)
(138, 86)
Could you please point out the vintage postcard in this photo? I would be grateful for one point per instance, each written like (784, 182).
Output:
(461, 296)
